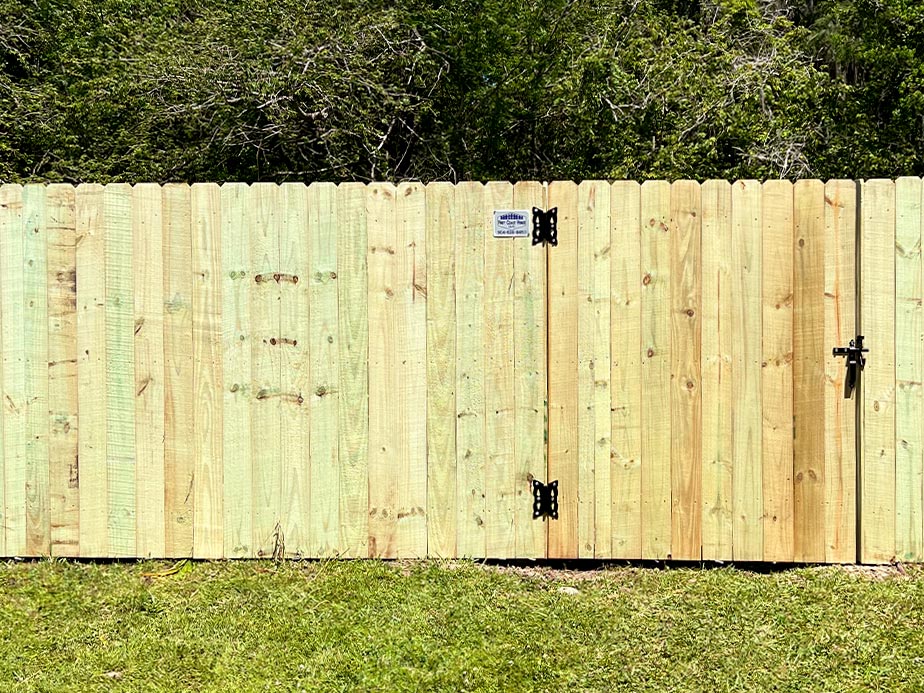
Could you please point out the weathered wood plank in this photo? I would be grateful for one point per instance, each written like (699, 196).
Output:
(686, 371)
(237, 220)
(499, 379)
(470, 369)
(565, 464)
(529, 346)
(655, 370)
(35, 369)
(747, 475)
(308, 516)
(776, 373)
(878, 306)
(442, 508)
(64, 498)
(840, 414)
(909, 372)
(354, 370)
(625, 370)
(266, 401)
(208, 511)
(12, 369)
(808, 370)
(323, 340)
(148, 308)
(179, 450)
(385, 320)
(717, 371)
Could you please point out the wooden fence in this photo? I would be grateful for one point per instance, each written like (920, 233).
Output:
(263, 370)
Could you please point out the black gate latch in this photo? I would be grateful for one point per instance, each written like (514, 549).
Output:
(545, 499)
(855, 363)
(545, 226)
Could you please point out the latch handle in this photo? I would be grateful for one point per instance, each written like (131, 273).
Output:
(855, 363)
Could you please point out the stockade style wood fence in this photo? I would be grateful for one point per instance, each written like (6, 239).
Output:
(355, 370)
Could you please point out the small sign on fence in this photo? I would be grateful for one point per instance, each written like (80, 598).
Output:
(511, 223)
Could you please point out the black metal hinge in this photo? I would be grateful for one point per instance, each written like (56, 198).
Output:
(855, 363)
(545, 226)
(545, 499)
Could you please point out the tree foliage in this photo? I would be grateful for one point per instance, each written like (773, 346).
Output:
(465, 89)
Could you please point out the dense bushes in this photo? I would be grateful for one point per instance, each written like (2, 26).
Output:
(466, 89)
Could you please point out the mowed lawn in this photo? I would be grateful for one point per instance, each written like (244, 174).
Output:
(368, 625)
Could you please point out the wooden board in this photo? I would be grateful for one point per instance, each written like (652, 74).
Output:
(808, 371)
(353, 426)
(747, 476)
(470, 365)
(178, 365)
(565, 464)
(625, 370)
(776, 370)
(717, 371)
(442, 496)
(308, 516)
(323, 340)
(909, 372)
(266, 401)
(655, 369)
(686, 371)
(91, 372)
(12, 373)
(237, 220)
(499, 335)
(385, 319)
(530, 379)
(840, 414)
(148, 325)
(208, 512)
(877, 295)
(411, 297)
(35, 369)
(64, 496)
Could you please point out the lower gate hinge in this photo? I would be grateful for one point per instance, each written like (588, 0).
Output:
(545, 500)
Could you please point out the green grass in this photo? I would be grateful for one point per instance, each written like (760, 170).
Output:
(366, 625)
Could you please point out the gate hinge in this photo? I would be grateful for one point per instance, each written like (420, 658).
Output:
(855, 363)
(545, 499)
(545, 226)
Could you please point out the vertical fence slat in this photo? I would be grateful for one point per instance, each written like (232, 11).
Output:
(353, 402)
(717, 371)
(776, 374)
(208, 514)
(441, 371)
(91, 372)
(655, 362)
(747, 477)
(308, 520)
(13, 368)
(411, 296)
(62, 373)
(148, 308)
(686, 371)
(35, 353)
(564, 464)
(470, 369)
(529, 347)
(877, 295)
(237, 280)
(625, 370)
(499, 378)
(384, 413)
(322, 340)
(808, 370)
(840, 414)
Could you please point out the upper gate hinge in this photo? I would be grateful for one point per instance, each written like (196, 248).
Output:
(545, 226)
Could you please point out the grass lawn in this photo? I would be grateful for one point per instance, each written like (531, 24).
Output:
(367, 625)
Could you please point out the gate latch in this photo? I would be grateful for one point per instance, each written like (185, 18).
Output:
(545, 499)
(855, 363)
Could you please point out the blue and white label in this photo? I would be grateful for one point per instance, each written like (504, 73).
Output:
(511, 223)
